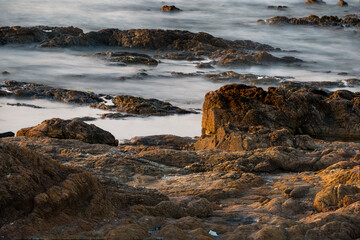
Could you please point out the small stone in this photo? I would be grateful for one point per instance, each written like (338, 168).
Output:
(171, 8)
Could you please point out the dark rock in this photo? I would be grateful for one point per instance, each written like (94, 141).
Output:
(188, 56)
(69, 129)
(342, 73)
(23, 105)
(234, 57)
(353, 81)
(128, 58)
(324, 21)
(234, 108)
(278, 7)
(5, 73)
(7, 134)
(138, 105)
(204, 65)
(171, 8)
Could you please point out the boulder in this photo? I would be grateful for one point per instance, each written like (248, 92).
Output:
(237, 114)
(69, 129)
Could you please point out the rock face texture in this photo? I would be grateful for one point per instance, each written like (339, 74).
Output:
(240, 113)
(69, 129)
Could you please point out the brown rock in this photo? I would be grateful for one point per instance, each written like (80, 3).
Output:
(128, 232)
(336, 196)
(69, 129)
(234, 108)
(314, 2)
(342, 3)
(171, 8)
(138, 105)
(200, 208)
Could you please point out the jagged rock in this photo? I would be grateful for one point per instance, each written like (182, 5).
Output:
(235, 114)
(138, 105)
(69, 129)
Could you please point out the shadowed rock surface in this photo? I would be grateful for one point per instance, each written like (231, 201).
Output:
(69, 129)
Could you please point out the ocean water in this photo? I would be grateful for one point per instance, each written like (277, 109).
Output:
(322, 49)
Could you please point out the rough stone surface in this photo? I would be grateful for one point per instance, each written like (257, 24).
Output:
(69, 129)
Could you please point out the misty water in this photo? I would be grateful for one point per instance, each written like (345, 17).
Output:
(326, 52)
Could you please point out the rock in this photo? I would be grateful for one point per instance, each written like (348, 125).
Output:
(314, 2)
(138, 105)
(270, 233)
(188, 56)
(171, 8)
(342, 3)
(7, 134)
(128, 232)
(278, 7)
(336, 196)
(236, 57)
(324, 21)
(5, 73)
(204, 65)
(127, 58)
(69, 129)
(353, 81)
(23, 105)
(164, 141)
(235, 111)
(200, 208)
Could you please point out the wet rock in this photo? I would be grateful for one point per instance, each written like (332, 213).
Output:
(353, 81)
(233, 57)
(23, 105)
(127, 58)
(165, 141)
(324, 21)
(204, 65)
(128, 232)
(5, 73)
(138, 105)
(233, 108)
(23, 89)
(7, 134)
(171, 8)
(69, 129)
(188, 56)
(200, 208)
(342, 3)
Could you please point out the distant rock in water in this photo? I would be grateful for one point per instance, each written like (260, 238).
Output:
(314, 2)
(171, 8)
(278, 7)
(251, 117)
(127, 58)
(342, 3)
(69, 129)
(351, 20)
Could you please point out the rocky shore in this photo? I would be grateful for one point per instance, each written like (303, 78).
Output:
(281, 163)
(270, 165)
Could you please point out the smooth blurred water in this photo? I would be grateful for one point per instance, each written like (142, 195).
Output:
(322, 49)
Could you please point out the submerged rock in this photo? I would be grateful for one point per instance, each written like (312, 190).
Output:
(128, 58)
(69, 129)
(7, 134)
(324, 21)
